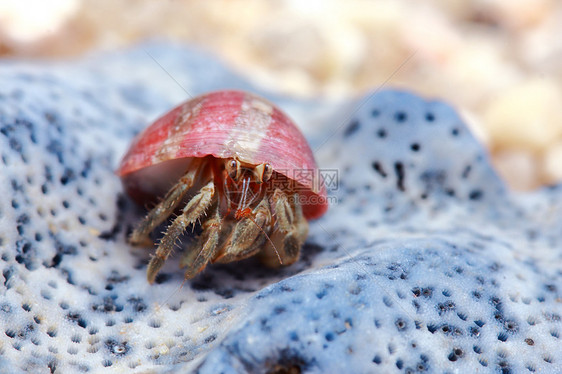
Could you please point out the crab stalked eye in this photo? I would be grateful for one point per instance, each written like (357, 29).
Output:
(233, 169)
(265, 172)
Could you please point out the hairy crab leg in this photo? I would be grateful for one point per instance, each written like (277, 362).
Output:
(197, 258)
(190, 213)
(140, 236)
(248, 235)
(300, 222)
(192, 250)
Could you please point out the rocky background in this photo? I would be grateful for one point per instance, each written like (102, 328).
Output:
(497, 61)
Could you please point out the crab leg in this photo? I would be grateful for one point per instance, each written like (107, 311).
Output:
(248, 235)
(190, 213)
(301, 224)
(163, 210)
(196, 259)
(290, 232)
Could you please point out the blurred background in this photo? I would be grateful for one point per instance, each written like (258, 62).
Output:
(499, 62)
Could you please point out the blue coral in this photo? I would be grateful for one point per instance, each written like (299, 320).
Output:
(425, 262)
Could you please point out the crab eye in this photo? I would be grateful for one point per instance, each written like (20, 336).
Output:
(232, 168)
(262, 172)
(267, 172)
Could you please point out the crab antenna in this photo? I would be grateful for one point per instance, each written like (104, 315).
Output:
(173, 293)
(273, 245)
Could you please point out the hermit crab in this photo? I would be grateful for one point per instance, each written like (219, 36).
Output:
(234, 164)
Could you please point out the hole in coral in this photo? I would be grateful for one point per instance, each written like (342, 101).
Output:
(77, 318)
(400, 174)
(455, 354)
(401, 324)
(475, 195)
(155, 324)
(117, 348)
(178, 333)
(52, 365)
(427, 292)
(421, 367)
(93, 349)
(504, 367)
(351, 128)
(511, 326)
(391, 348)
(377, 166)
(210, 339)
(400, 117)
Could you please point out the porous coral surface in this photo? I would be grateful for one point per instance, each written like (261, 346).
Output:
(424, 262)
